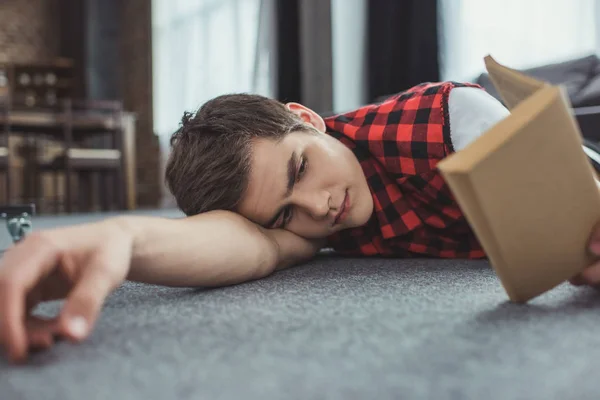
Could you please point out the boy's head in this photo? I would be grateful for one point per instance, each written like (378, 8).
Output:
(270, 162)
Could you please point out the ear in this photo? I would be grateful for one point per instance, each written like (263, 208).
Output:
(307, 115)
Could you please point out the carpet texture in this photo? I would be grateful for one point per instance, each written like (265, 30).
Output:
(332, 329)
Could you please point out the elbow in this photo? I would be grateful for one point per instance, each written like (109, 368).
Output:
(267, 260)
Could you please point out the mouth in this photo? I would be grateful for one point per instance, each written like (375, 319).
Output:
(344, 208)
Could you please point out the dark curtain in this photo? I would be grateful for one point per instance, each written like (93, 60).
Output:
(103, 19)
(89, 35)
(402, 45)
(289, 79)
(72, 41)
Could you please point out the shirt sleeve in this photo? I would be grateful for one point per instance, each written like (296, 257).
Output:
(472, 111)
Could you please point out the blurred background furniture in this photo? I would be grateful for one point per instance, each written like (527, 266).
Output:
(87, 151)
(4, 135)
(581, 79)
(38, 85)
(68, 154)
(4, 158)
(39, 132)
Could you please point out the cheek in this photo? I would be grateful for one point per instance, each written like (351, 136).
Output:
(341, 160)
(331, 169)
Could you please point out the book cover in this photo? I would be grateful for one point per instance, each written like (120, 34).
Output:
(527, 188)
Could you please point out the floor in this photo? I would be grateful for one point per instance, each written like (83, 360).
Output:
(332, 329)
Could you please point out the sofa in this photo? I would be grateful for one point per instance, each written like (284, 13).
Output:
(581, 79)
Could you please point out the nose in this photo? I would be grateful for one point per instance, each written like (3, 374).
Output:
(315, 203)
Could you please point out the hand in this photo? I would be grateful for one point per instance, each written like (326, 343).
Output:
(591, 275)
(82, 264)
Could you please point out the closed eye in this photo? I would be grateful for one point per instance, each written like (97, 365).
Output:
(288, 212)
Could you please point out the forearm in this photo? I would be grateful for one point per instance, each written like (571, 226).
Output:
(211, 249)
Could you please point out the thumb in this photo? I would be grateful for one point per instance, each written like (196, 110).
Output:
(83, 305)
(594, 242)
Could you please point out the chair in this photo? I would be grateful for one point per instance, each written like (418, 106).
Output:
(85, 123)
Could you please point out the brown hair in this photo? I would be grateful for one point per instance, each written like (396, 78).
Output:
(209, 164)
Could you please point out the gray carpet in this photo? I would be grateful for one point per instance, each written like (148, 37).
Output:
(332, 329)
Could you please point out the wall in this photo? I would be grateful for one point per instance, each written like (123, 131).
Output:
(136, 88)
(28, 30)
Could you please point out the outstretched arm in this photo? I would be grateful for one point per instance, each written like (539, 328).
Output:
(85, 263)
(211, 249)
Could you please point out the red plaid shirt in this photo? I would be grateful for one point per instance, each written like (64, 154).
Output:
(398, 144)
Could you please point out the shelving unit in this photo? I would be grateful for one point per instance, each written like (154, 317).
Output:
(36, 85)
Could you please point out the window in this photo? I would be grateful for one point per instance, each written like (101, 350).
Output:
(518, 33)
(205, 48)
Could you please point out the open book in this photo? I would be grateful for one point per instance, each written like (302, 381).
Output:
(513, 86)
(527, 187)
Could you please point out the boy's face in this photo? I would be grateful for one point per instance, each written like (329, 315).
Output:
(310, 184)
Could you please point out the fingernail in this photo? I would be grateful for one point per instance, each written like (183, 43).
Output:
(78, 327)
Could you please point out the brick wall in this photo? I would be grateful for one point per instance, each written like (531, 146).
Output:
(28, 30)
(136, 78)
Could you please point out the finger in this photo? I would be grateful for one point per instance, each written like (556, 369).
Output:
(37, 345)
(40, 332)
(83, 305)
(591, 275)
(594, 240)
(20, 269)
(577, 280)
(39, 340)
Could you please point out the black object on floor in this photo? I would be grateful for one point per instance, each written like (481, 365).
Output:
(333, 329)
(18, 220)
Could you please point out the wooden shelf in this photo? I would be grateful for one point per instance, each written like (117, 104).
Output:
(28, 85)
(49, 122)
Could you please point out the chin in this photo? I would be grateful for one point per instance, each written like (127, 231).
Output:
(355, 223)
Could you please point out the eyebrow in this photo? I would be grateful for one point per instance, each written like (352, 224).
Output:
(291, 175)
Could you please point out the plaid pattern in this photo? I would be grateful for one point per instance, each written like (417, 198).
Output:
(398, 144)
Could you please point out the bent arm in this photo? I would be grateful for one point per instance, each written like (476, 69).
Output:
(212, 249)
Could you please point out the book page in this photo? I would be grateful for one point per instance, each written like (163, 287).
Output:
(513, 86)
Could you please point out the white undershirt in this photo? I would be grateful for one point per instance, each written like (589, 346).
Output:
(472, 111)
